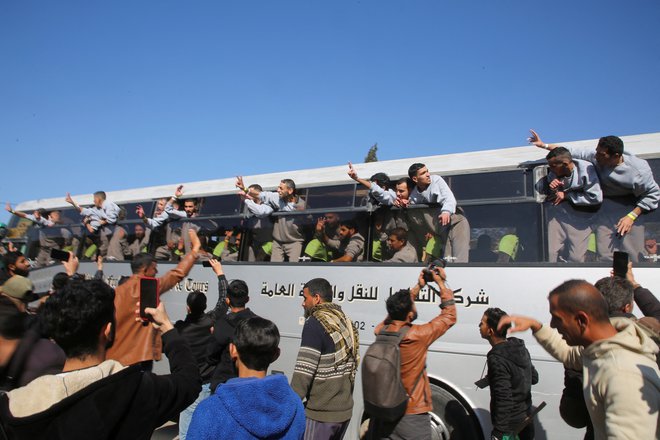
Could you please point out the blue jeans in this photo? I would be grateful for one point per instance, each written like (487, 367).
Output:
(186, 415)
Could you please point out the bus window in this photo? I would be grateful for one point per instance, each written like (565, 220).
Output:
(211, 231)
(495, 185)
(40, 241)
(326, 243)
(511, 231)
(335, 196)
(221, 205)
(129, 209)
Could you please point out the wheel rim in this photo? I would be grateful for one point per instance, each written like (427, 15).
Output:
(439, 430)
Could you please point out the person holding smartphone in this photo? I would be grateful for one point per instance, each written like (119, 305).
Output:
(95, 396)
(139, 343)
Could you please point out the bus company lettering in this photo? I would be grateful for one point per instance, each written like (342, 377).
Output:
(357, 292)
(190, 285)
(433, 296)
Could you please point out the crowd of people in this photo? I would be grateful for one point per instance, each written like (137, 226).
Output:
(596, 203)
(77, 362)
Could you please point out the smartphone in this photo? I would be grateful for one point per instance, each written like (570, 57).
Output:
(620, 264)
(206, 263)
(59, 255)
(148, 295)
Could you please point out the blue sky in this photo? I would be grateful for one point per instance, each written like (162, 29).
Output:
(113, 95)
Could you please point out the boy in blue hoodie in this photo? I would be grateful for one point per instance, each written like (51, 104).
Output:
(253, 405)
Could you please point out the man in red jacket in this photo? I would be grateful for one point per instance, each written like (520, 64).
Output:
(414, 347)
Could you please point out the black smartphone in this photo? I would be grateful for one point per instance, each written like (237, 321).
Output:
(148, 295)
(620, 264)
(59, 255)
(206, 263)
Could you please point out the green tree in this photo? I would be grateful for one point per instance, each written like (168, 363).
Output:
(371, 155)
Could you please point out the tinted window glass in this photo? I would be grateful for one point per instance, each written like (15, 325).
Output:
(67, 238)
(336, 196)
(221, 205)
(129, 209)
(488, 185)
(512, 232)
(361, 196)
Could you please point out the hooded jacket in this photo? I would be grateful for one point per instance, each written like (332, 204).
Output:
(250, 408)
(510, 376)
(620, 376)
(108, 401)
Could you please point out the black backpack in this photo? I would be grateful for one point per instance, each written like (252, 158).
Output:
(385, 397)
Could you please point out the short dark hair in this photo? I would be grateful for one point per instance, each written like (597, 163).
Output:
(381, 179)
(350, 224)
(238, 293)
(195, 201)
(493, 316)
(141, 261)
(289, 184)
(400, 234)
(257, 340)
(60, 280)
(196, 302)
(559, 152)
(11, 258)
(100, 194)
(617, 291)
(577, 295)
(612, 144)
(414, 168)
(256, 186)
(408, 181)
(12, 320)
(321, 287)
(75, 316)
(399, 305)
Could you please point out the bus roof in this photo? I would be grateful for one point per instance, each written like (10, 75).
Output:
(644, 145)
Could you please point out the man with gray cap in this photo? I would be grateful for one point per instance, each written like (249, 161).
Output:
(24, 354)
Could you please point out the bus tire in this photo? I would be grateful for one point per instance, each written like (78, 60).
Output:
(450, 419)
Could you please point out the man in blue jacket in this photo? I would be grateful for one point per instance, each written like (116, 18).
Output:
(253, 405)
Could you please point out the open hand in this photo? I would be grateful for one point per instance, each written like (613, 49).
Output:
(535, 139)
(624, 225)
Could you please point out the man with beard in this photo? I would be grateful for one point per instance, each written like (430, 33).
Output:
(324, 375)
(401, 313)
(94, 397)
(15, 264)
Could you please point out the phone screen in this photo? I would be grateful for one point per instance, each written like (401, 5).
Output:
(148, 295)
(59, 255)
(206, 264)
(620, 264)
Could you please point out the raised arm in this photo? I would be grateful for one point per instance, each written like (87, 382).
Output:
(548, 338)
(70, 201)
(220, 308)
(174, 276)
(353, 175)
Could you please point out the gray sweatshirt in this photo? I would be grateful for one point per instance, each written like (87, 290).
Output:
(582, 187)
(406, 254)
(632, 177)
(437, 192)
(384, 197)
(109, 211)
(270, 202)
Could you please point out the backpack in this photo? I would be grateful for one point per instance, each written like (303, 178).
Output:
(384, 395)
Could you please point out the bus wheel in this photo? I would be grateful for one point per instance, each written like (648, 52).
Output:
(450, 419)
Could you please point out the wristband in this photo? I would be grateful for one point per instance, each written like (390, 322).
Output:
(631, 215)
(449, 302)
(545, 146)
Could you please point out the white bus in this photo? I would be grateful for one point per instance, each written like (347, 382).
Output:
(495, 189)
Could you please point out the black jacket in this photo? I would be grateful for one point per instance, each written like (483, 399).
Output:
(129, 404)
(196, 330)
(218, 349)
(510, 376)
